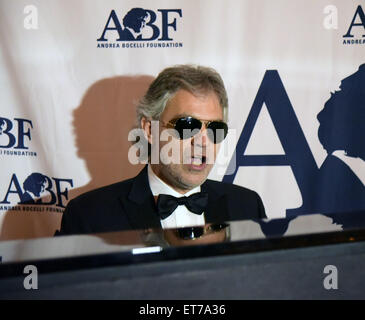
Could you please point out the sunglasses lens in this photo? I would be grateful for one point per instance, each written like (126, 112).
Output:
(187, 127)
(217, 131)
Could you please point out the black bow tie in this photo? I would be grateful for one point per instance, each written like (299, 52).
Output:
(196, 203)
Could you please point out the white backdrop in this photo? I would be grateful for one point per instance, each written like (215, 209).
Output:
(71, 104)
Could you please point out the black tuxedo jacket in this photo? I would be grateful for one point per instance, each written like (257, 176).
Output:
(130, 205)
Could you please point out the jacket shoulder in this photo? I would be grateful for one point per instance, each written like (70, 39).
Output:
(242, 202)
(98, 210)
(229, 188)
(106, 192)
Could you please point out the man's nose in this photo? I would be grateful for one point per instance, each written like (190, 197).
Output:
(200, 139)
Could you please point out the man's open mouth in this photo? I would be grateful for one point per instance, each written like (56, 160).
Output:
(198, 160)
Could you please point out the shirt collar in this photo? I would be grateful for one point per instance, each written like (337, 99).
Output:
(159, 187)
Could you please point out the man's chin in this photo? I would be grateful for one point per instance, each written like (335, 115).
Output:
(194, 180)
(196, 171)
(186, 178)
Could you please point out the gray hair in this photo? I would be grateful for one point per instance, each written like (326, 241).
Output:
(193, 78)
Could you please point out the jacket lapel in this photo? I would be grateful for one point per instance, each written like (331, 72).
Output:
(140, 206)
(217, 210)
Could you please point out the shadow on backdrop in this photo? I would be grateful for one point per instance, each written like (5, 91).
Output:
(101, 124)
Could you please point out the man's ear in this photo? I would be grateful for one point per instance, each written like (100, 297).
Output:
(146, 126)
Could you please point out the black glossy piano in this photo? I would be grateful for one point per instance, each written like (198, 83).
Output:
(230, 261)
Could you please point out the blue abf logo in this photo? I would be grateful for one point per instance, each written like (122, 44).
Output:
(15, 135)
(356, 28)
(38, 189)
(141, 28)
(337, 186)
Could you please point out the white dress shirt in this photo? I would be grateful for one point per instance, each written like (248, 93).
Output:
(181, 217)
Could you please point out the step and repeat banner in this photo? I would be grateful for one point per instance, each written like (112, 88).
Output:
(72, 72)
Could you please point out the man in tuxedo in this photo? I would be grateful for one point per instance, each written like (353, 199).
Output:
(189, 105)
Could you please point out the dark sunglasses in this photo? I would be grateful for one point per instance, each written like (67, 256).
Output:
(197, 232)
(188, 127)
